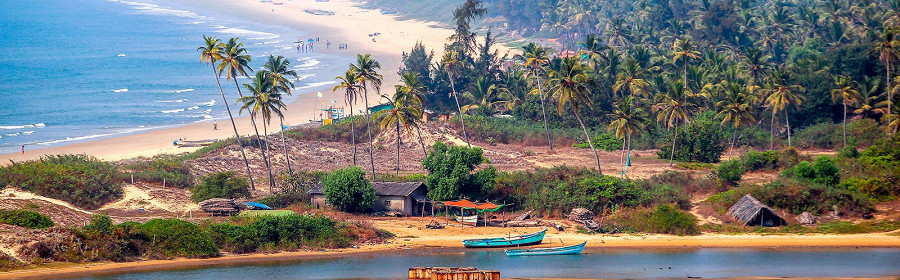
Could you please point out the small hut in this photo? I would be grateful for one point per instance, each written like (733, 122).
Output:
(751, 212)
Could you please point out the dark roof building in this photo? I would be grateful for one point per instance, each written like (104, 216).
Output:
(751, 212)
(405, 197)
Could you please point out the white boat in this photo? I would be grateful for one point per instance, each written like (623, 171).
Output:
(467, 219)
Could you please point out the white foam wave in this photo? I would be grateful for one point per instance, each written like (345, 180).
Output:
(171, 111)
(193, 108)
(183, 90)
(172, 101)
(28, 132)
(120, 90)
(307, 62)
(208, 104)
(12, 134)
(253, 35)
(312, 85)
(304, 77)
(153, 9)
(121, 55)
(10, 127)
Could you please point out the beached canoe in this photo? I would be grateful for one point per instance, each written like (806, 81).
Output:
(518, 240)
(566, 250)
(467, 219)
(194, 143)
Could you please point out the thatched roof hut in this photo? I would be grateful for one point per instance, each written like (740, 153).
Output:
(751, 212)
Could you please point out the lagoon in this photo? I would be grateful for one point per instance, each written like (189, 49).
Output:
(596, 263)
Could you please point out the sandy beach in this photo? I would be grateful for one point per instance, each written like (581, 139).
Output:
(349, 25)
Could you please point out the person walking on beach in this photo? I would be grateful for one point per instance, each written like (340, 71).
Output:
(23, 149)
(327, 44)
(215, 125)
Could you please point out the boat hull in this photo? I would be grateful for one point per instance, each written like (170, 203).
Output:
(568, 250)
(521, 240)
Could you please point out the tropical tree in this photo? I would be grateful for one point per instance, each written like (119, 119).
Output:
(736, 109)
(404, 112)
(632, 78)
(869, 105)
(756, 63)
(414, 96)
(782, 96)
(210, 53)
(366, 69)
(627, 121)
(673, 108)
(348, 82)
(279, 69)
(485, 94)
(569, 86)
(263, 102)
(534, 58)
(684, 50)
(450, 61)
(844, 91)
(888, 48)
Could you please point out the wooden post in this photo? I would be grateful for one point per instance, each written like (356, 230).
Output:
(164, 183)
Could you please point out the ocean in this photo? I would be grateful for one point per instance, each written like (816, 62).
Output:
(83, 70)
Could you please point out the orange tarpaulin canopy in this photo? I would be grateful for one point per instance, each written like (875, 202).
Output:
(462, 203)
(487, 205)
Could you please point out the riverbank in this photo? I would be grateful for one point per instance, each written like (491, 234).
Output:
(349, 25)
(448, 241)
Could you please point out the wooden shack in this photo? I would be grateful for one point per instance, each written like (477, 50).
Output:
(751, 212)
(403, 197)
(452, 273)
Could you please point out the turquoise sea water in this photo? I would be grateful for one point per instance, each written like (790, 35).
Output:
(81, 70)
(594, 264)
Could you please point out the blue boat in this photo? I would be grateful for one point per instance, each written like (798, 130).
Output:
(568, 250)
(518, 240)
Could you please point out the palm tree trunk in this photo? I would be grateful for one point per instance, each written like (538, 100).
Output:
(263, 151)
(788, 123)
(845, 123)
(236, 135)
(591, 143)
(685, 73)
(461, 119)
(284, 146)
(352, 134)
(887, 68)
(733, 136)
(674, 139)
(544, 111)
(398, 147)
(772, 131)
(622, 155)
(628, 156)
(422, 142)
(369, 124)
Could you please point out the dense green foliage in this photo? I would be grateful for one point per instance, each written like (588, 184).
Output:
(876, 170)
(220, 185)
(603, 141)
(698, 141)
(25, 218)
(798, 196)
(731, 171)
(821, 171)
(81, 180)
(450, 173)
(663, 218)
(174, 237)
(168, 169)
(349, 190)
(289, 232)
(770, 160)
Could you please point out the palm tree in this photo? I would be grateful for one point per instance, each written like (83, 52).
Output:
(366, 69)
(869, 105)
(631, 78)
(485, 94)
(673, 109)
(211, 52)
(535, 57)
(279, 69)
(569, 85)
(684, 50)
(404, 112)
(348, 82)
(414, 90)
(627, 120)
(262, 103)
(887, 47)
(845, 92)
(451, 62)
(735, 109)
(756, 63)
(782, 96)
(593, 50)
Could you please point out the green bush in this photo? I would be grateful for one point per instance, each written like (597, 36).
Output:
(798, 196)
(289, 232)
(170, 169)
(450, 173)
(220, 185)
(174, 237)
(663, 218)
(25, 218)
(730, 171)
(770, 160)
(699, 141)
(875, 188)
(864, 132)
(81, 180)
(823, 171)
(349, 190)
(100, 224)
(514, 131)
(603, 141)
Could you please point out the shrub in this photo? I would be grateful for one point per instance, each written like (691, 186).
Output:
(698, 141)
(770, 160)
(603, 141)
(730, 171)
(349, 190)
(863, 132)
(220, 185)
(823, 171)
(663, 218)
(450, 173)
(8, 263)
(170, 169)
(514, 131)
(288, 232)
(174, 237)
(100, 224)
(81, 180)
(875, 188)
(798, 196)
(25, 218)
(685, 183)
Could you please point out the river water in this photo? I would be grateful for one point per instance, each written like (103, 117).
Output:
(615, 264)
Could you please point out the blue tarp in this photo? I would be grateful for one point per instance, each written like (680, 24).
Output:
(258, 206)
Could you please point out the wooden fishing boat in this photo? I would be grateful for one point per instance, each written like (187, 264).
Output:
(195, 143)
(518, 240)
(566, 250)
(467, 219)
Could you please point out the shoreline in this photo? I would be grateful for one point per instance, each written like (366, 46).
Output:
(444, 245)
(343, 27)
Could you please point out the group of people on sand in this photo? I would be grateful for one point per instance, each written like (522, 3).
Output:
(308, 45)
